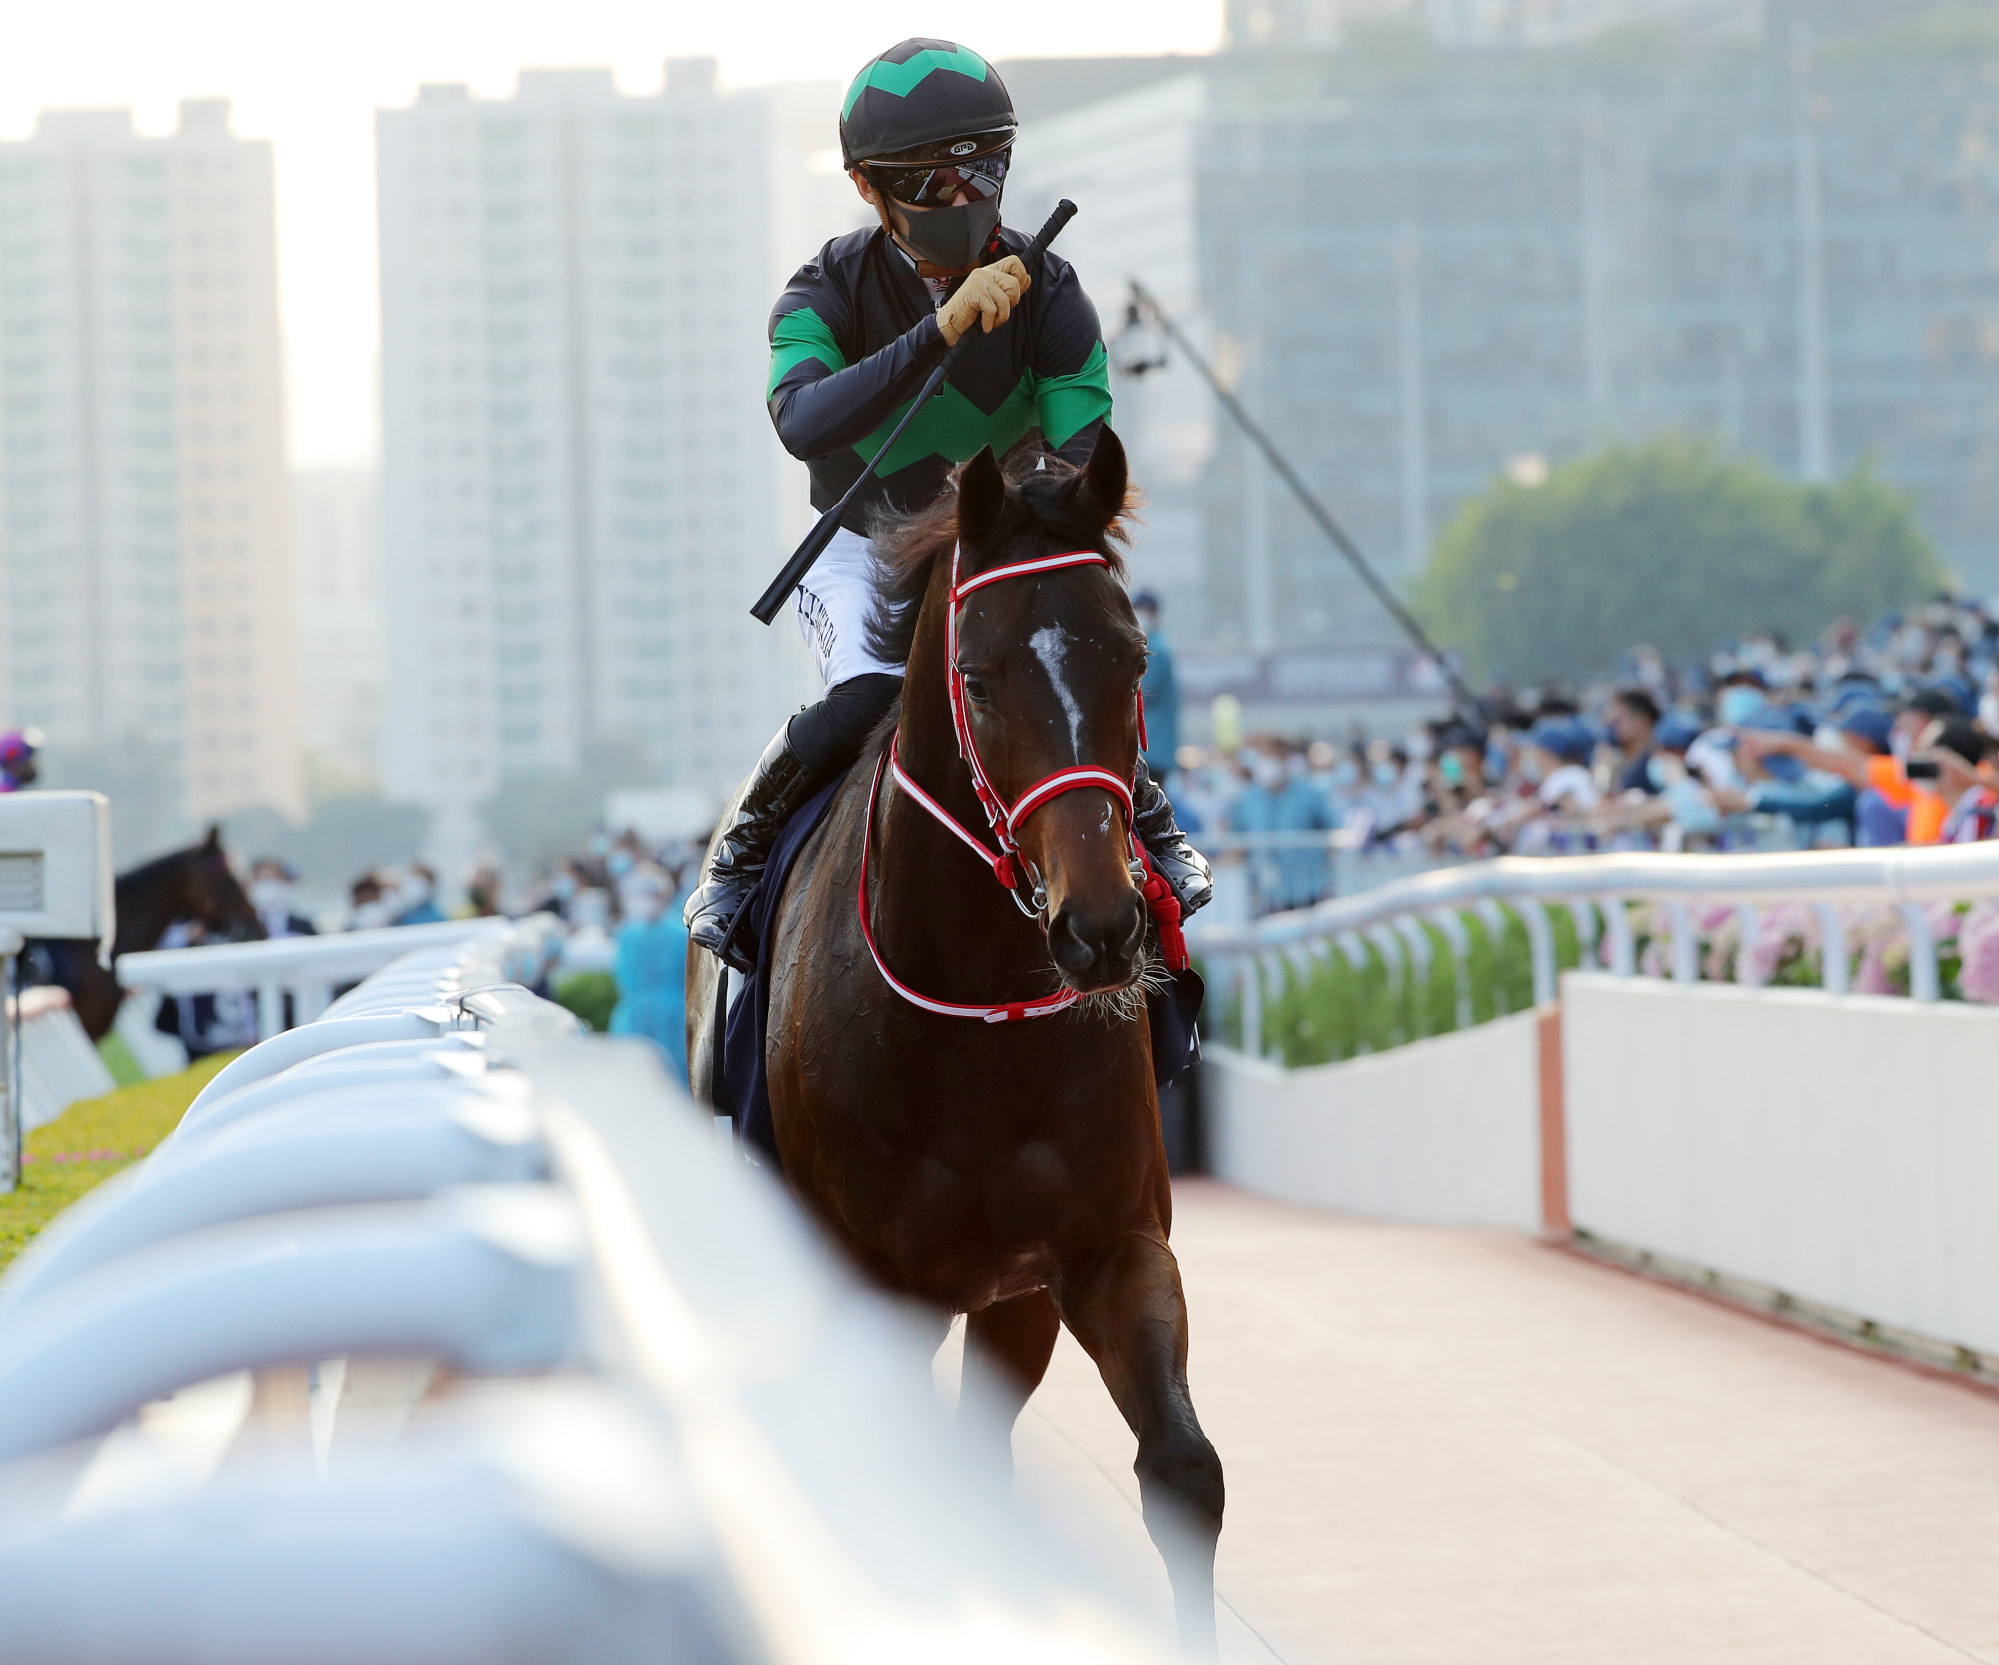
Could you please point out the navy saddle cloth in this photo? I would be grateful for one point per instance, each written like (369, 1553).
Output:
(1174, 1012)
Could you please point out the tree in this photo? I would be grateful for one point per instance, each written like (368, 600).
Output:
(1670, 544)
(536, 818)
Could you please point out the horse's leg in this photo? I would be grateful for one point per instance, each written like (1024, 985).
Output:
(1007, 1349)
(1131, 1317)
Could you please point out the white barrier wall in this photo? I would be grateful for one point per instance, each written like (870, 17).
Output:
(58, 1063)
(1444, 1131)
(1843, 1149)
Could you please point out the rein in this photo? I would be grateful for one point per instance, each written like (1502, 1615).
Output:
(1007, 864)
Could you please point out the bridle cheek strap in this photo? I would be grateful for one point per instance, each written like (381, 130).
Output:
(1013, 1012)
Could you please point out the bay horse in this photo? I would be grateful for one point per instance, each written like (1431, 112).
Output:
(1010, 1169)
(193, 884)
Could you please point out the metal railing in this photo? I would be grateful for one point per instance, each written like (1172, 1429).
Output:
(1598, 892)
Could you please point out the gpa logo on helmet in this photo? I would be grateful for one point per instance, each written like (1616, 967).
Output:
(964, 147)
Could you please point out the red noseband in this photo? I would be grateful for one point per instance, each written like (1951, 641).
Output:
(1007, 819)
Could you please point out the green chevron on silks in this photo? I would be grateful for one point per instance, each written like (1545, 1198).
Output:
(953, 427)
(801, 334)
(903, 78)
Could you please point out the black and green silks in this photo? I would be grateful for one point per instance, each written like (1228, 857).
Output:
(854, 336)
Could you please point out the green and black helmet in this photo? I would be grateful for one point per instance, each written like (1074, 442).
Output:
(925, 101)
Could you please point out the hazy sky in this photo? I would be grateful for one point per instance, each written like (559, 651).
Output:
(308, 77)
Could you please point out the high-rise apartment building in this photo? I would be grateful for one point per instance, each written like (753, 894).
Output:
(145, 566)
(336, 537)
(581, 490)
(1418, 272)
(1318, 24)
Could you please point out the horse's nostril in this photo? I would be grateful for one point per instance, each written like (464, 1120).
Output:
(1135, 937)
(1072, 950)
(1097, 951)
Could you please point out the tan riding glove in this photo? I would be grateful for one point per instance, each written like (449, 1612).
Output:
(986, 298)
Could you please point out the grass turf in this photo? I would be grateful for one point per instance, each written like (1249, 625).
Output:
(91, 1141)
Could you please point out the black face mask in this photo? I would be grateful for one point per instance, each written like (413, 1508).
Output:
(952, 238)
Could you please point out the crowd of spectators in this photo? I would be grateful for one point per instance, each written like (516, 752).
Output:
(619, 897)
(1879, 734)
(1883, 734)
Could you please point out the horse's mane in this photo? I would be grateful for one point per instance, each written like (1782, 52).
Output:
(906, 546)
(160, 867)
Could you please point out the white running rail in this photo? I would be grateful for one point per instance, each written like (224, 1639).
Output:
(439, 1332)
(309, 969)
(1598, 889)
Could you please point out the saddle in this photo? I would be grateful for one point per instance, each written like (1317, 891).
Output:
(740, 1084)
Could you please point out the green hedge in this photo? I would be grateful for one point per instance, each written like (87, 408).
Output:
(1321, 1007)
(591, 995)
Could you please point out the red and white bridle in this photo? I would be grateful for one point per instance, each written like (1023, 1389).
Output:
(1006, 864)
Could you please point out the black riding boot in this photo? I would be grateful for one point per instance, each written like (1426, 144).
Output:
(813, 747)
(749, 827)
(1179, 863)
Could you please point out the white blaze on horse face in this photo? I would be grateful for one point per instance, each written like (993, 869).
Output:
(1051, 646)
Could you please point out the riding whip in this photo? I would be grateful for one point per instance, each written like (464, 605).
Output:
(821, 534)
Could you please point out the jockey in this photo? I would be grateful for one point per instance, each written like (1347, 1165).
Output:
(926, 133)
(17, 758)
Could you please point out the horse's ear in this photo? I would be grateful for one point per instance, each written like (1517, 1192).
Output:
(981, 496)
(1105, 479)
(214, 839)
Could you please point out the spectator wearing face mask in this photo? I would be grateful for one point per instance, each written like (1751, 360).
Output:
(1394, 791)
(1885, 774)
(482, 894)
(272, 890)
(1780, 782)
(1675, 803)
(1456, 808)
(1960, 752)
(1739, 702)
(369, 905)
(417, 898)
(651, 968)
(1286, 871)
(1554, 762)
(1558, 757)
(1633, 719)
(565, 884)
(1460, 761)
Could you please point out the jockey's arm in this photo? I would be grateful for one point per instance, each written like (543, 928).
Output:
(819, 402)
(1072, 388)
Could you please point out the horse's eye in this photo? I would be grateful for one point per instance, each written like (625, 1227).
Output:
(976, 690)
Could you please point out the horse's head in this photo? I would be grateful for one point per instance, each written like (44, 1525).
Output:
(1051, 665)
(210, 894)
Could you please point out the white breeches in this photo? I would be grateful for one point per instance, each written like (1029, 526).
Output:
(833, 606)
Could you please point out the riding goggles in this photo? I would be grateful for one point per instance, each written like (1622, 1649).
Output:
(937, 184)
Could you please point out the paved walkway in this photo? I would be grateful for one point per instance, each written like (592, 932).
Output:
(1471, 1449)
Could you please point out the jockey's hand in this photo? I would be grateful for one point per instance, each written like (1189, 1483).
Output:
(986, 298)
